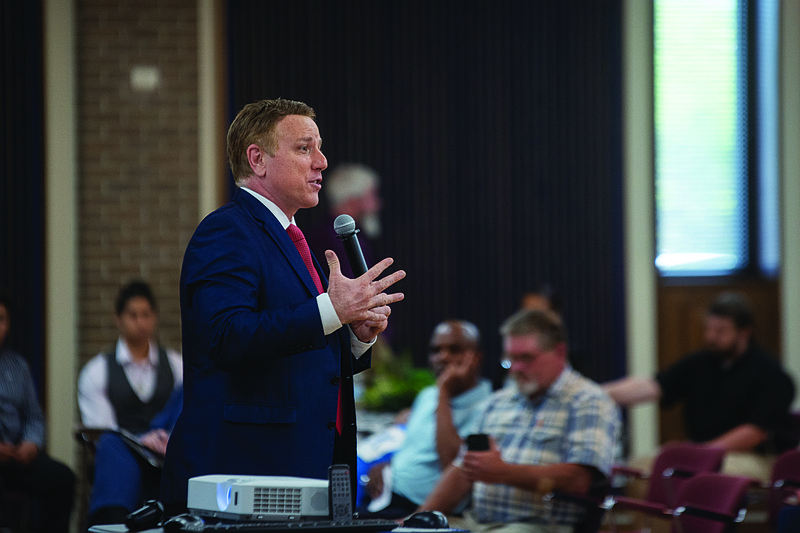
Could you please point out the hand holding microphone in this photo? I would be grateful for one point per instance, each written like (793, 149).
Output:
(360, 302)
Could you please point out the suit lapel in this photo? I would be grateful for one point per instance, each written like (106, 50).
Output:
(273, 229)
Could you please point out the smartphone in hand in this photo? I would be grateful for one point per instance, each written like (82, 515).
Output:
(478, 442)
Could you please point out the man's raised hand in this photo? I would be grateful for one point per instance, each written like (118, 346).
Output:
(362, 302)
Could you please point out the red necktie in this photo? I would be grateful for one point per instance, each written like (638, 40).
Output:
(300, 243)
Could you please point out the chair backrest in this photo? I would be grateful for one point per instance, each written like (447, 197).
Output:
(680, 461)
(785, 474)
(714, 492)
(791, 432)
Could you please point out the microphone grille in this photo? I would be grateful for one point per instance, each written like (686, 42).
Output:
(344, 224)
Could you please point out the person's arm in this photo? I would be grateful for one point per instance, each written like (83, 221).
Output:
(453, 378)
(25, 452)
(633, 390)
(32, 422)
(176, 365)
(450, 491)
(95, 407)
(166, 418)
(375, 483)
(448, 440)
(32, 418)
(489, 467)
(156, 440)
(7, 451)
(742, 438)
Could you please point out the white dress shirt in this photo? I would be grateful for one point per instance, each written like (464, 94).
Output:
(93, 401)
(330, 320)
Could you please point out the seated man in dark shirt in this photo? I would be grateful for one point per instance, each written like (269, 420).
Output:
(736, 396)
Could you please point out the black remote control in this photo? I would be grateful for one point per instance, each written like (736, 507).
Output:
(340, 503)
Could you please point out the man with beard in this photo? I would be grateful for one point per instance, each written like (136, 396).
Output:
(549, 429)
(736, 396)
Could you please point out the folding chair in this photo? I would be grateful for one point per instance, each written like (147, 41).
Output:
(784, 484)
(710, 502)
(674, 466)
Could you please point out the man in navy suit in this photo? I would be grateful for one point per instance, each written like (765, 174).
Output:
(268, 357)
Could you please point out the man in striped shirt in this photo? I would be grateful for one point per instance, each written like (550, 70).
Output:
(24, 465)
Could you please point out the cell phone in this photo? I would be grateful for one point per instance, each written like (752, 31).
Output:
(478, 442)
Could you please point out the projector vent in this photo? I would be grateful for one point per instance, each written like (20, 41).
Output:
(280, 501)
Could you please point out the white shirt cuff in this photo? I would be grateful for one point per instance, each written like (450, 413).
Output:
(330, 323)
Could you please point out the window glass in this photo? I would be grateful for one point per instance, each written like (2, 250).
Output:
(700, 136)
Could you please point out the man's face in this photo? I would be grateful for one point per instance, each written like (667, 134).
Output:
(137, 322)
(294, 173)
(449, 345)
(3, 323)
(532, 368)
(722, 337)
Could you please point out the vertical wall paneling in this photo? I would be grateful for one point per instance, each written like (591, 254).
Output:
(497, 135)
(21, 183)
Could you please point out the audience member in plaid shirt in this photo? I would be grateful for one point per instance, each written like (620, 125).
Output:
(550, 429)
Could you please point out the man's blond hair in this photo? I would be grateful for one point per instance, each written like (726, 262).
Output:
(256, 124)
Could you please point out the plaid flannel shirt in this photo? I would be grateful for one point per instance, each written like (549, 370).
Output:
(573, 422)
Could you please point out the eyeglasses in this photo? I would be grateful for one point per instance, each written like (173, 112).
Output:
(523, 360)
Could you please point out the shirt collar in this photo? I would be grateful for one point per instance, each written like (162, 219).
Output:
(124, 353)
(274, 209)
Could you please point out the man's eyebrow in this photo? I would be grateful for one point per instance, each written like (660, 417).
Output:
(310, 139)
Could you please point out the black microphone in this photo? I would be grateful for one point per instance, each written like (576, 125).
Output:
(345, 228)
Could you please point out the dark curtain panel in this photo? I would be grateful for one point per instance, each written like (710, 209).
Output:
(496, 129)
(21, 192)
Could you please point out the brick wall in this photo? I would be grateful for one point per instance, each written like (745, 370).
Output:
(138, 127)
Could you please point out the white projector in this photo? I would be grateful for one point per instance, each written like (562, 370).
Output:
(265, 498)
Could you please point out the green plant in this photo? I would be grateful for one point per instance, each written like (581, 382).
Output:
(395, 383)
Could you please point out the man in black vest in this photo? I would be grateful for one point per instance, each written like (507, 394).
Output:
(124, 390)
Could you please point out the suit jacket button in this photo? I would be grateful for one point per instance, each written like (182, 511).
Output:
(331, 425)
(335, 380)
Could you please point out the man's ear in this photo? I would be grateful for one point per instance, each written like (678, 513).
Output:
(561, 350)
(256, 158)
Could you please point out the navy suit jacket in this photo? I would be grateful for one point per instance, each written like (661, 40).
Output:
(261, 380)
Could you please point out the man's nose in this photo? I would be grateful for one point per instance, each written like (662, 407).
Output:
(320, 162)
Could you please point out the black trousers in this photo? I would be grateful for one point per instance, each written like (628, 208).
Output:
(50, 483)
